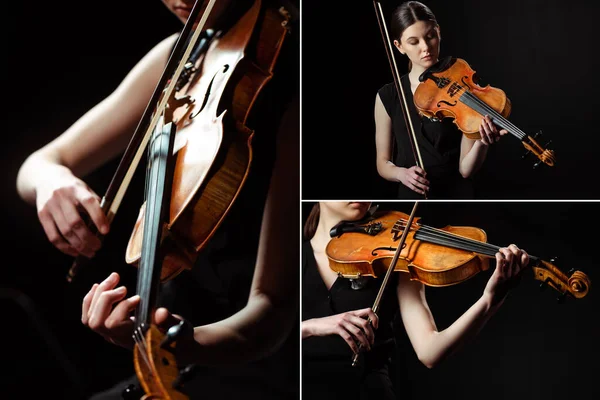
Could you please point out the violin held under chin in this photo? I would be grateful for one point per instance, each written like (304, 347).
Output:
(448, 90)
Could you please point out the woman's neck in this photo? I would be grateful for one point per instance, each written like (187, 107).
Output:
(414, 74)
(321, 237)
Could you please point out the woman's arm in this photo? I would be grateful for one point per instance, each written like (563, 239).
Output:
(414, 177)
(352, 326)
(383, 142)
(101, 133)
(272, 309)
(433, 346)
(473, 152)
(50, 177)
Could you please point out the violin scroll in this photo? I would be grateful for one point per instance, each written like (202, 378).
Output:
(544, 155)
(155, 365)
(575, 283)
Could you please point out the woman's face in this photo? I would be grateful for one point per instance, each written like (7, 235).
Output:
(181, 8)
(421, 43)
(345, 211)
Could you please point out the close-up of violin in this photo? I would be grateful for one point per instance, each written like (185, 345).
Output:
(203, 128)
(449, 90)
(434, 256)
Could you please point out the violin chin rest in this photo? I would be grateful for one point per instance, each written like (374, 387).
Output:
(442, 65)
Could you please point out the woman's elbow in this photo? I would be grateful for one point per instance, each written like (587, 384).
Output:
(429, 353)
(429, 362)
(380, 171)
(465, 172)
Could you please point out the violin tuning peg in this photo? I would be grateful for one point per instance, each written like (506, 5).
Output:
(537, 164)
(537, 134)
(554, 259)
(175, 332)
(548, 144)
(528, 152)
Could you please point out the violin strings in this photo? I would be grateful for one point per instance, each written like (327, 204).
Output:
(486, 109)
(500, 120)
(144, 275)
(447, 240)
(442, 237)
(152, 175)
(438, 236)
(139, 338)
(155, 162)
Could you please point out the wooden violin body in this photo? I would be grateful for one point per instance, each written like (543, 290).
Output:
(213, 144)
(199, 157)
(433, 102)
(356, 254)
(449, 89)
(434, 256)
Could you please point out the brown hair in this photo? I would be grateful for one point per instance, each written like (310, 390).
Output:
(310, 226)
(407, 14)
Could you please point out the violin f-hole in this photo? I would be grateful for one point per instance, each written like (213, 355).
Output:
(389, 248)
(465, 83)
(207, 95)
(446, 102)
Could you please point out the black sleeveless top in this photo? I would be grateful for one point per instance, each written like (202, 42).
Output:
(219, 284)
(438, 142)
(327, 370)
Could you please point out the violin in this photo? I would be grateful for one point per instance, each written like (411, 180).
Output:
(199, 152)
(199, 159)
(449, 89)
(433, 256)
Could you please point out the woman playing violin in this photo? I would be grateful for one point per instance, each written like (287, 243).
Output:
(450, 160)
(250, 310)
(335, 312)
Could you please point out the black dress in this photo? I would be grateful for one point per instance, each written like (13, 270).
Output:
(438, 142)
(327, 371)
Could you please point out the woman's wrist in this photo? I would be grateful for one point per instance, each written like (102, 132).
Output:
(493, 300)
(480, 145)
(306, 329)
(399, 173)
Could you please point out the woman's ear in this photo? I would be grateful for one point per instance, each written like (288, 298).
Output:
(398, 46)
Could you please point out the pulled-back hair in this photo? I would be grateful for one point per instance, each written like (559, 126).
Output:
(310, 226)
(407, 14)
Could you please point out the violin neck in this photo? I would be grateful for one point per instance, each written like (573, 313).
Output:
(157, 192)
(443, 238)
(472, 101)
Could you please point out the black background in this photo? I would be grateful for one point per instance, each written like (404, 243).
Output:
(533, 347)
(541, 53)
